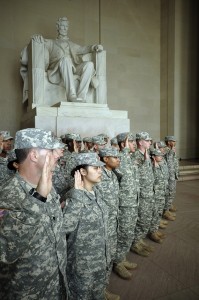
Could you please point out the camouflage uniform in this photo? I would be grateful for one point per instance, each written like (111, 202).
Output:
(128, 204)
(32, 244)
(5, 173)
(173, 168)
(146, 200)
(88, 256)
(160, 187)
(110, 188)
(60, 183)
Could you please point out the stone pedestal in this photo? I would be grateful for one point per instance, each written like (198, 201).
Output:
(87, 119)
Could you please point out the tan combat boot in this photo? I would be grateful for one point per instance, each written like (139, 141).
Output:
(161, 234)
(155, 237)
(121, 271)
(168, 216)
(164, 222)
(146, 246)
(129, 265)
(173, 208)
(139, 249)
(111, 296)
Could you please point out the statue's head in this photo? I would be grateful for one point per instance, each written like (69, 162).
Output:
(63, 21)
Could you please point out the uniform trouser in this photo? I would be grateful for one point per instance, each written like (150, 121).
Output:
(145, 212)
(84, 70)
(127, 219)
(157, 213)
(170, 195)
(112, 241)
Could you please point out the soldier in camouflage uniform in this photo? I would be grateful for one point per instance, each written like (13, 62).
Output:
(32, 241)
(173, 168)
(110, 188)
(86, 227)
(128, 207)
(5, 173)
(98, 143)
(146, 200)
(160, 187)
(114, 143)
(88, 144)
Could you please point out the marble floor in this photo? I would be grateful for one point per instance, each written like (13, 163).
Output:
(171, 272)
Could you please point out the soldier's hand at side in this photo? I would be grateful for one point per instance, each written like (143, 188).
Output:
(78, 181)
(45, 183)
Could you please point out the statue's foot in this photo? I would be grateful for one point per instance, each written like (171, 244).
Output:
(72, 98)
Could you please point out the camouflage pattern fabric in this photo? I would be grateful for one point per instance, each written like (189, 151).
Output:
(109, 186)
(59, 181)
(67, 164)
(146, 200)
(32, 244)
(85, 222)
(5, 173)
(160, 187)
(173, 168)
(128, 205)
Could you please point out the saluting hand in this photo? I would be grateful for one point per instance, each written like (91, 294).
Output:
(78, 181)
(45, 182)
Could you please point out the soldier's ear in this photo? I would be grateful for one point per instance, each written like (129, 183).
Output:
(83, 172)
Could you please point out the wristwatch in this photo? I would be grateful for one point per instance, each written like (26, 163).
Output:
(36, 195)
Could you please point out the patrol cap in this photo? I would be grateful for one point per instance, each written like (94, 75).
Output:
(6, 135)
(34, 138)
(156, 152)
(104, 135)
(131, 137)
(109, 151)
(170, 138)
(161, 144)
(114, 141)
(59, 144)
(122, 136)
(87, 139)
(11, 156)
(99, 140)
(91, 159)
(143, 136)
(73, 136)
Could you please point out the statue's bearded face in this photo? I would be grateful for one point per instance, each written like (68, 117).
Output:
(63, 28)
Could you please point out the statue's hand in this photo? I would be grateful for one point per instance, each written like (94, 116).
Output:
(38, 38)
(98, 48)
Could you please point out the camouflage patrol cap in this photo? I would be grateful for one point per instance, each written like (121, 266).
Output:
(87, 139)
(11, 156)
(34, 138)
(91, 159)
(73, 136)
(156, 152)
(104, 135)
(170, 138)
(59, 144)
(143, 136)
(122, 136)
(114, 141)
(131, 137)
(99, 140)
(161, 144)
(6, 135)
(109, 151)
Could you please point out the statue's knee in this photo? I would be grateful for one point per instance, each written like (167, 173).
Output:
(89, 66)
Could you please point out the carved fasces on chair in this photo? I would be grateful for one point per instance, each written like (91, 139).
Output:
(43, 93)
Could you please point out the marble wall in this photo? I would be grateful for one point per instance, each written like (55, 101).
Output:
(135, 37)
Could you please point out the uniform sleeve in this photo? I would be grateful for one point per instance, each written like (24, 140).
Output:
(72, 212)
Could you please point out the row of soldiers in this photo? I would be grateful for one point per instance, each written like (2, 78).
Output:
(113, 194)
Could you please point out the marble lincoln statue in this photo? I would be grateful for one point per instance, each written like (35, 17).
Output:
(65, 61)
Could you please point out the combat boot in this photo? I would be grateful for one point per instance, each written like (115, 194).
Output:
(121, 271)
(146, 246)
(154, 237)
(138, 248)
(173, 208)
(164, 222)
(129, 265)
(161, 234)
(162, 226)
(111, 296)
(168, 216)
